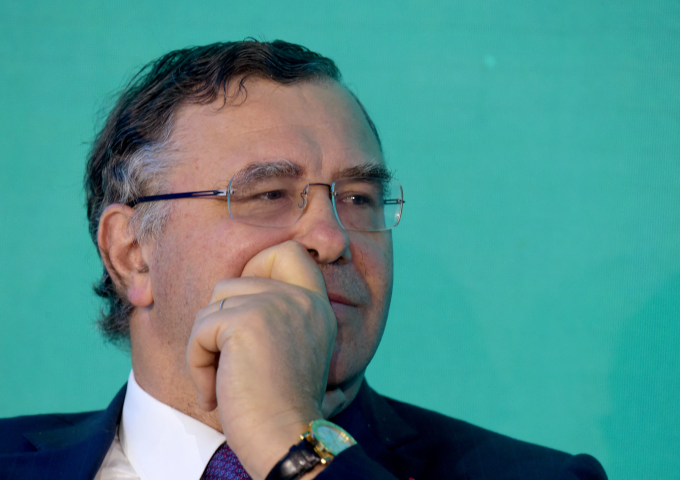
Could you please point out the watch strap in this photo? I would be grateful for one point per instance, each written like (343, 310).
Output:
(301, 458)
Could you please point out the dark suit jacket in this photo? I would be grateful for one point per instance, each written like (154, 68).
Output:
(395, 440)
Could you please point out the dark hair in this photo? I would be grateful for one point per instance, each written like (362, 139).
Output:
(124, 162)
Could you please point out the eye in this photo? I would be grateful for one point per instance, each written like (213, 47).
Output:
(271, 195)
(357, 200)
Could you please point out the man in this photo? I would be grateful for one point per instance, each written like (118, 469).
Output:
(242, 210)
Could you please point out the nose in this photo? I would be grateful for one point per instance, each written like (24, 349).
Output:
(318, 229)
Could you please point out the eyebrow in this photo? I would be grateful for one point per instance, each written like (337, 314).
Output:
(286, 168)
(367, 171)
(276, 169)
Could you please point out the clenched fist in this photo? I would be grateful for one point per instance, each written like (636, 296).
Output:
(263, 358)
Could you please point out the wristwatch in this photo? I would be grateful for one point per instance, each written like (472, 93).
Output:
(320, 444)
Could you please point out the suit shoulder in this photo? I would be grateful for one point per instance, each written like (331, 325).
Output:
(441, 427)
(481, 453)
(14, 429)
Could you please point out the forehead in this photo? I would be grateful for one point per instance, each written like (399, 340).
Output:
(317, 126)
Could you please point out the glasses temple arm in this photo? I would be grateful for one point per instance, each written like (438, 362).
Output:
(172, 196)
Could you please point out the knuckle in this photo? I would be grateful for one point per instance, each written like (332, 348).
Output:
(222, 283)
(305, 300)
(203, 312)
(221, 286)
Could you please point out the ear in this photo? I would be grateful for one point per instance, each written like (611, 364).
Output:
(123, 256)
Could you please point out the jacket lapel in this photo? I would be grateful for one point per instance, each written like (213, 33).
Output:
(75, 451)
(385, 436)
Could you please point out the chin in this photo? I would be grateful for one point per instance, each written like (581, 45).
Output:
(354, 349)
(344, 371)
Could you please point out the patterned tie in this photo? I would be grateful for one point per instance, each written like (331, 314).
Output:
(224, 465)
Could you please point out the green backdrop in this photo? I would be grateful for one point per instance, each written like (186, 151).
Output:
(538, 262)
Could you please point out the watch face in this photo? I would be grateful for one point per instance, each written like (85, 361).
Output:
(332, 438)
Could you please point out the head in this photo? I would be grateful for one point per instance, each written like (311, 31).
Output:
(191, 120)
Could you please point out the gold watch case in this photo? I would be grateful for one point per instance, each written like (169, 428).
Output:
(328, 439)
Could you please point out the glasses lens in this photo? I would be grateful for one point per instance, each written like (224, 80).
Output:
(368, 204)
(267, 202)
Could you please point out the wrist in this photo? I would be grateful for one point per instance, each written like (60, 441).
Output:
(267, 446)
(319, 445)
(260, 444)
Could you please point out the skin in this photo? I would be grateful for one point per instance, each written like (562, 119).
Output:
(307, 304)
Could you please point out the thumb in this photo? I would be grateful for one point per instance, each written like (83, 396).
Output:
(287, 262)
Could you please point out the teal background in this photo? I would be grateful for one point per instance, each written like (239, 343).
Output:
(538, 263)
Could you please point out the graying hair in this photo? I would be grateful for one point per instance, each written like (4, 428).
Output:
(143, 173)
(147, 175)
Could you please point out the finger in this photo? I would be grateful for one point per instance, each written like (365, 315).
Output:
(234, 287)
(287, 262)
(202, 354)
(228, 302)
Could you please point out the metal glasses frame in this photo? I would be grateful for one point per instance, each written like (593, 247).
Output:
(227, 192)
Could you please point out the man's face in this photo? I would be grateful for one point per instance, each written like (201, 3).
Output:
(316, 126)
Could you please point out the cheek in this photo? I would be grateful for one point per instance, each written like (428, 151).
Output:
(358, 341)
(193, 255)
(355, 346)
(372, 254)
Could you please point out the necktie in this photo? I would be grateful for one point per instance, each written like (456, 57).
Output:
(224, 465)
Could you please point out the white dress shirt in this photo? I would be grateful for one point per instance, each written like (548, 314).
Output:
(157, 442)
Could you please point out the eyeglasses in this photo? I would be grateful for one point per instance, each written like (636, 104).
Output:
(360, 204)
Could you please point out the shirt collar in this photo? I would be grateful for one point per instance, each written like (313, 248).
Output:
(162, 443)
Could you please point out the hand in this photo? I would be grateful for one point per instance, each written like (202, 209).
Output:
(264, 357)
